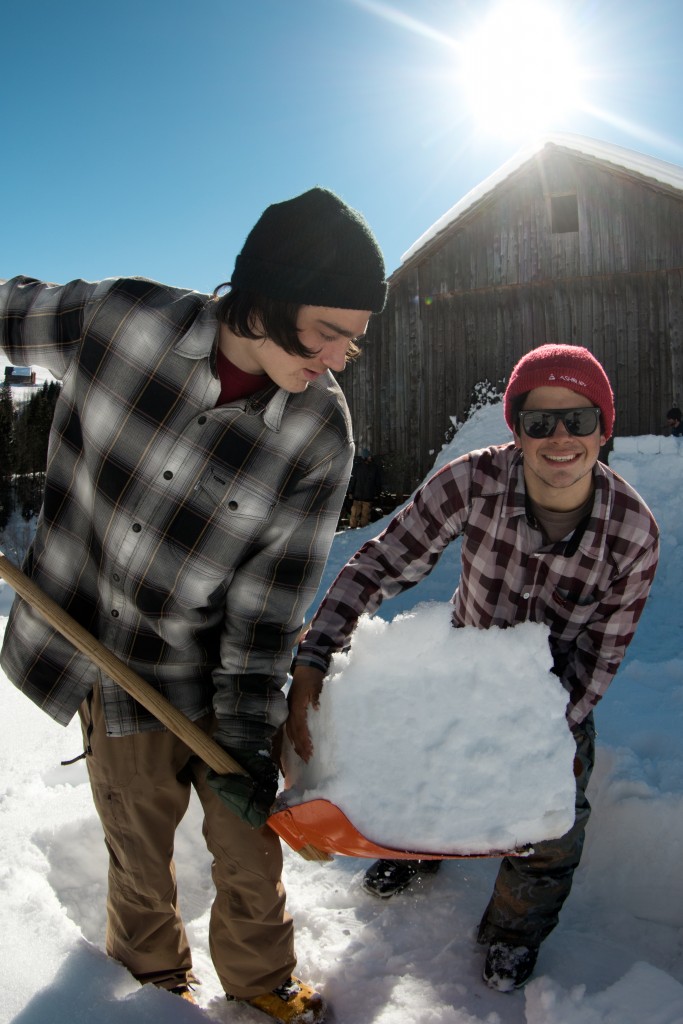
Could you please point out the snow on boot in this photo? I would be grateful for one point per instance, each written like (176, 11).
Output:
(508, 967)
(293, 1002)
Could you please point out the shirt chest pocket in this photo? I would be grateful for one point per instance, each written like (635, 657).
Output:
(233, 505)
(568, 612)
(217, 525)
(568, 599)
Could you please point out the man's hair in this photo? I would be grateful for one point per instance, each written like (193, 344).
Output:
(254, 316)
(516, 406)
(674, 414)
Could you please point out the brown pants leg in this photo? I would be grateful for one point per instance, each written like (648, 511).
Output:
(141, 789)
(360, 514)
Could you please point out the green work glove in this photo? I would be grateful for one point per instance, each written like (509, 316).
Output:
(251, 796)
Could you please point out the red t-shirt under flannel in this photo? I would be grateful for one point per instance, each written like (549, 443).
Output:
(235, 383)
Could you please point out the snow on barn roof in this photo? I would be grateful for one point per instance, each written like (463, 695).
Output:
(649, 167)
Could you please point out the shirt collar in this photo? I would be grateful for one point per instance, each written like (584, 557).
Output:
(515, 498)
(593, 541)
(271, 404)
(594, 538)
(199, 341)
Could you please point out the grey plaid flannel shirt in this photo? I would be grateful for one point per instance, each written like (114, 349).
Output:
(189, 539)
(590, 590)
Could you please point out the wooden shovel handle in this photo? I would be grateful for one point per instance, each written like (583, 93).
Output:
(175, 720)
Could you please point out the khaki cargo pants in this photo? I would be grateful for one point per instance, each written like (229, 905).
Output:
(141, 788)
(360, 514)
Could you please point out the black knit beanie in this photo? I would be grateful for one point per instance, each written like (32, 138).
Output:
(313, 250)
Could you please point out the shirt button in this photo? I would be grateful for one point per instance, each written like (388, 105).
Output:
(116, 578)
(233, 505)
(168, 475)
(136, 527)
(526, 596)
(114, 614)
(201, 420)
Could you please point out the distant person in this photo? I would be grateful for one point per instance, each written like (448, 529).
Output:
(673, 419)
(199, 456)
(549, 534)
(365, 486)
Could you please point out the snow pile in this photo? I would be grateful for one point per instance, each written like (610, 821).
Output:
(480, 757)
(644, 994)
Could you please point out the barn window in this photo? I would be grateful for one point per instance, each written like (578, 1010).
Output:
(564, 214)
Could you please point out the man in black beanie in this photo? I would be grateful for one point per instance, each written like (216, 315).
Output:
(199, 458)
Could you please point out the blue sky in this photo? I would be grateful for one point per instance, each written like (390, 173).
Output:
(147, 137)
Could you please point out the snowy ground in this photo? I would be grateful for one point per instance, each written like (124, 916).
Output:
(616, 957)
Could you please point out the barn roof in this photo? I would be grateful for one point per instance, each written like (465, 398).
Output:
(638, 163)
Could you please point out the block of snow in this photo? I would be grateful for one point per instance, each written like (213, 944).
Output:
(649, 444)
(670, 445)
(442, 740)
(625, 446)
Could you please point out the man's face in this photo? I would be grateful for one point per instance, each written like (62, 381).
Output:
(557, 469)
(326, 332)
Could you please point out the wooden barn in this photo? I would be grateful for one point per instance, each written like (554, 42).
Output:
(574, 241)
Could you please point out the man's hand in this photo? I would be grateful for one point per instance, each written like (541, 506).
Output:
(251, 796)
(307, 682)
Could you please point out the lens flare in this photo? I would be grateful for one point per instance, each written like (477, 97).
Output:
(518, 70)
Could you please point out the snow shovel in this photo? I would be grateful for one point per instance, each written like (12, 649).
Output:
(316, 829)
(210, 752)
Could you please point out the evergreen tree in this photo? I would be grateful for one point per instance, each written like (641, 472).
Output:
(32, 430)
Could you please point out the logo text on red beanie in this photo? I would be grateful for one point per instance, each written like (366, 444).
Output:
(569, 380)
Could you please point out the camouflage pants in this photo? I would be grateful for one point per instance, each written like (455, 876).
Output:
(530, 891)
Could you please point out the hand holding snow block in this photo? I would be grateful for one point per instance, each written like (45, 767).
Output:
(442, 740)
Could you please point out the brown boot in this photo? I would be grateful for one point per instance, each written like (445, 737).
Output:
(185, 992)
(293, 1002)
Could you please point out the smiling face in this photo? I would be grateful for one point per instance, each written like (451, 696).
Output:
(325, 331)
(558, 469)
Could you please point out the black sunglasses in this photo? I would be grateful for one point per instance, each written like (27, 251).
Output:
(538, 423)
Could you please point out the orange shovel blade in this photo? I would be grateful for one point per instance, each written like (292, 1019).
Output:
(322, 824)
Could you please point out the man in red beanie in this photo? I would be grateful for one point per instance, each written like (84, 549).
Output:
(549, 535)
(199, 457)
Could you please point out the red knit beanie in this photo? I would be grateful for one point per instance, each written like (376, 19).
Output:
(562, 366)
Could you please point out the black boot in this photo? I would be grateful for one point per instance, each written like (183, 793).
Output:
(509, 966)
(387, 877)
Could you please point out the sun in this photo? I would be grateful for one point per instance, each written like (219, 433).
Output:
(518, 71)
